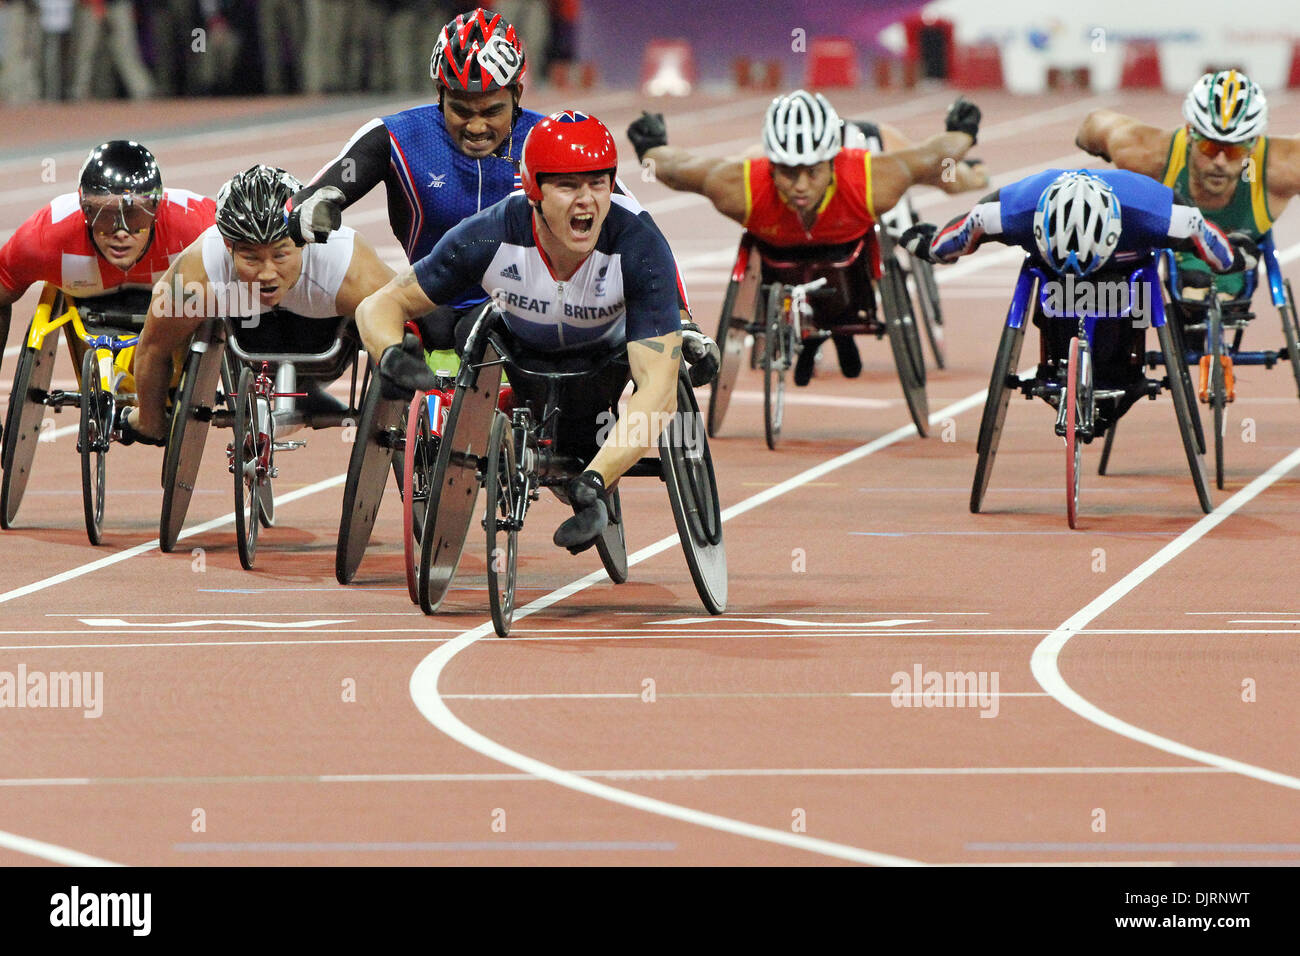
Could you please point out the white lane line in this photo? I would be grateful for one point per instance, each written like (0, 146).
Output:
(1045, 660)
(50, 851)
(120, 556)
(425, 694)
(740, 695)
(654, 774)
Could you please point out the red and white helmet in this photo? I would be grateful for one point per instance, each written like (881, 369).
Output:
(478, 52)
(566, 142)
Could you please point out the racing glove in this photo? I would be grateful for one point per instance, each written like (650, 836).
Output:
(403, 371)
(319, 215)
(646, 132)
(916, 240)
(590, 514)
(1245, 252)
(963, 117)
(129, 436)
(701, 354)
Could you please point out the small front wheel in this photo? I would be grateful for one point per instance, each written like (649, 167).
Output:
(244, 464)
(501, 482)
(92, 441)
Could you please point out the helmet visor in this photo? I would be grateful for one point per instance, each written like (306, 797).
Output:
(110, 214)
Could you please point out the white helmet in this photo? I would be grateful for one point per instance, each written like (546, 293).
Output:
(801, 129)
(1226, 106)
(1077, 223)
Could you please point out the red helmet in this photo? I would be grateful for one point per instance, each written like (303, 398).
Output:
(478, 52)
(566, 142)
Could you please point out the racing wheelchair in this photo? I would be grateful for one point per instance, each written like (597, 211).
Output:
(262, 411)
(108, 327)
(511, 450)
(1208, 332)
(1088, 397)
(773, 295)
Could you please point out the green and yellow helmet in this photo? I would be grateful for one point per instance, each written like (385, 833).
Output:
(1226, 106)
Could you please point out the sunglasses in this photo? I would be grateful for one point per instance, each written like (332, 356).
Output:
(107, 215)
(1234, 152)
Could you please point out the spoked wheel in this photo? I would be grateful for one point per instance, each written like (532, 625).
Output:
(23, 422)
(1105, 449)
(246, 441)
(501, 482)
(1291, 330)
(612, 543)
(731, 341)
(92, 441)
(454, 487)
(905, 340)
(191, 413)
(776, 362)
(931, 314)
(368, 467)
(1218, 389)
(419, 456)
(1185, 409)
(1002, 383)
(1074, 412)
(687, 469)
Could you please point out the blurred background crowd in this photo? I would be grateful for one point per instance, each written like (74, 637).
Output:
(100, 49)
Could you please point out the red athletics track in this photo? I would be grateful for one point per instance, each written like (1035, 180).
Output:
(852, 553)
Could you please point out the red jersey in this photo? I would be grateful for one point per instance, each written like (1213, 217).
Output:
(845, 212)
(54, 246)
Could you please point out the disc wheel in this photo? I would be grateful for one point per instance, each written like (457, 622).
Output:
(418, 458)
(191, 414)
(731, 341)
(1001, 385)
(247, 439)
(501, 482)
(905, 340)
(1186, 412)
(1073, 446)
(612, 543)
(931, 313)
(1180, 368)
(776, 362)
(687, 469)
(1291, 330)
(22, 433)
(1218, 390)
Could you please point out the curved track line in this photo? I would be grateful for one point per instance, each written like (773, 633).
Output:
(1045, 659)
(430, 703)
(50, 851)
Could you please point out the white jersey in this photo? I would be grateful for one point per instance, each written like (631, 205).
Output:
(314, 295)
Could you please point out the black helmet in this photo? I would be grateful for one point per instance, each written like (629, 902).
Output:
(250, 207)
(120, 179)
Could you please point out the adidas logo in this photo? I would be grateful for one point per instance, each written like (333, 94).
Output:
(511, 272)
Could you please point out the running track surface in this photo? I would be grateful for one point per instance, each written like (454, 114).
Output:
(1119, 733)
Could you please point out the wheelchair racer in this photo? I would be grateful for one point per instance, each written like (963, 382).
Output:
(809, 190)
(577, 272)
(246, 263)
(1221, 159)
(119, 231)
(1094, 225)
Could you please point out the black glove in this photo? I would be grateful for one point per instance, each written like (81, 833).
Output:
(916, 240)
(590, 513)
(403, 371)
(646, 132)
(129, 436)
(701, 354)
(1245, 252)
(320, 214)
(963, 117)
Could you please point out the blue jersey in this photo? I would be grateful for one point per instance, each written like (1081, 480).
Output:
(625, 290)
(1150, 220)
(442, 186)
